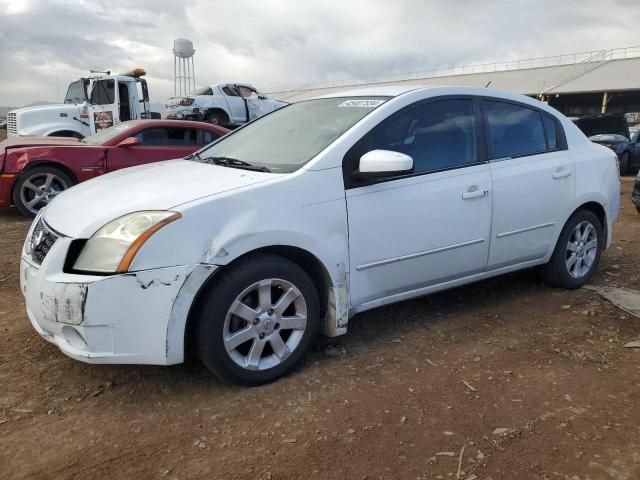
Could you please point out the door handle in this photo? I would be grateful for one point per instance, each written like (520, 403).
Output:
(475, 192)
(561, 173)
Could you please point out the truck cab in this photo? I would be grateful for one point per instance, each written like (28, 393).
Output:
(91, 104)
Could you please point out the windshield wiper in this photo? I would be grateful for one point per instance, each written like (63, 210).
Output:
(233, 163)
(194, 154)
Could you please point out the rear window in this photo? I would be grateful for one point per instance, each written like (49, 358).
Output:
(514, 130)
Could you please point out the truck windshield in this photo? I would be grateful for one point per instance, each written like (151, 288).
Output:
(103, 136)
(288, 138)
(75, 93)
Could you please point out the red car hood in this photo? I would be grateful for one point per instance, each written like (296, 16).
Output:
(14, 142)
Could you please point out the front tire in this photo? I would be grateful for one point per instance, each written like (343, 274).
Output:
(37, 186)
(256, 320)
(577, 252)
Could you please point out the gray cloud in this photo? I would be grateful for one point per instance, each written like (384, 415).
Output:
(286, 42)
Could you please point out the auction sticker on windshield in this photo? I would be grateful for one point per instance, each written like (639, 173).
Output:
(362, 103)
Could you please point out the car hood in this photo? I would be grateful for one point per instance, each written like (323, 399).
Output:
(82, 210)
(52, 107)
(34, 141)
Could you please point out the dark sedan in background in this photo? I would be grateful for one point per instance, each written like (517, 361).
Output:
(628, 151)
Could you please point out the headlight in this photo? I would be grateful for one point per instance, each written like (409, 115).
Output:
(112, 248)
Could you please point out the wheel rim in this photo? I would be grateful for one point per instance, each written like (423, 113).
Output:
(39, 189)
(265, 324)
(582, 249)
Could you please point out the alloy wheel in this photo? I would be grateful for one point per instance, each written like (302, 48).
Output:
(265, 324)
(39, 189)
(582, 249)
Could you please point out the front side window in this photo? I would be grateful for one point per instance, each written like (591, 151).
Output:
(167, 136)
(437, 135)
(514, 130)
(286, 139)
(103, 92)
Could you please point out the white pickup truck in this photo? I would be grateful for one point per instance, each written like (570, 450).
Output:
(91, 104)
(226, 104)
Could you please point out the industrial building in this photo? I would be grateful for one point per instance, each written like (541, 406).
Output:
(602, 81)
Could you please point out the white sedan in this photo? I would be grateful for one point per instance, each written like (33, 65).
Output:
(297, 221)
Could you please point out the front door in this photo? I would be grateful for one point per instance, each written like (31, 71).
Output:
(533, 181)
(156, 143)
(429, 227)
(103, 111)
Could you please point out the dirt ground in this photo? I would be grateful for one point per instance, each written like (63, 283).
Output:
(408, 392)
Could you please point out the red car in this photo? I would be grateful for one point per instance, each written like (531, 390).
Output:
(33, 170)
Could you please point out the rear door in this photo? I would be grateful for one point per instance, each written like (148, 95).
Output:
(533, 181)
(156, 143)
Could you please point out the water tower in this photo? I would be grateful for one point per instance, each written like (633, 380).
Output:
(183, 73)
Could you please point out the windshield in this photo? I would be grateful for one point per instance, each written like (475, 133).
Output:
(108, 133)
(288, 138)
(609, 138)
(75, 93)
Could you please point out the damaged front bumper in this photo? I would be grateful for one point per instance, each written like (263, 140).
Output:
(124, 318)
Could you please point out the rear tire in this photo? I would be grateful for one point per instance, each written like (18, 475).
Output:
(577, 252)
(37, 186)
(217, 118)
(243, 333)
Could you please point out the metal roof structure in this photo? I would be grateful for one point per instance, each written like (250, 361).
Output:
(597, 71)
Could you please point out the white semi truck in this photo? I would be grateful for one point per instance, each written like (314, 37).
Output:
(91, 104)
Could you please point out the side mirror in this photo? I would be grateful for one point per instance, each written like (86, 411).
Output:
(383, 163)
(129, 142)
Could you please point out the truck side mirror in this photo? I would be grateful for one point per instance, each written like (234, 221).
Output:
(129, 142)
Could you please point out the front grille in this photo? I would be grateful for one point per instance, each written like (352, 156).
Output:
(12, 125)
(42, 239)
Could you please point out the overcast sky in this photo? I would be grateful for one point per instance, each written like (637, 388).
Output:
(45, 44)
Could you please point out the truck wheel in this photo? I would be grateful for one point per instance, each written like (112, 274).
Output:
(577, 252)
(624, 164)
(256, 320)
(37, 186)
(217, 118)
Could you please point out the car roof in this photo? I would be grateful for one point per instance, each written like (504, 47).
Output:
(397, 90)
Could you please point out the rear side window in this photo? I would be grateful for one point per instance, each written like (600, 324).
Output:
(163, 136)
(514, 130)
(437, 135)
(551, 129)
